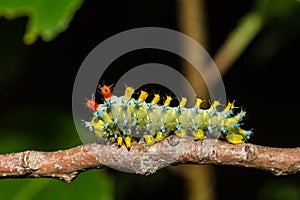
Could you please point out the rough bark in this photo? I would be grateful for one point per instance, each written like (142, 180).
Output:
(146, 160)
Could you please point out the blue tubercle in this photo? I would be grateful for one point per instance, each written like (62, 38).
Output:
(98, 114)
(196, 111)
(228, 113)
(194, 127)
(163, 129)
(248, 134)
(124, 122)
(223, 130)
(148, 127)
(178, 127)
(235, 125)
(115, 121)
(213, 112)
(241, 115)
(108, 104)
(164, 110)
(133, 123)
(178, 111)
(210, 129)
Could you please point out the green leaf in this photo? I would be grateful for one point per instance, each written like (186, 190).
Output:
(45, 18)
(92, 184)
(276, 8)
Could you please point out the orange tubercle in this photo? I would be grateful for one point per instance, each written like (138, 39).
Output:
(106, 92)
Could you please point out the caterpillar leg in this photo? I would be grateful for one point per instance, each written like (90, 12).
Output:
(149, 139)
(120, 140)
(112, 140)
(159, 136)
(180, 133)
(235, 138)
(127, 141)
(199, 134)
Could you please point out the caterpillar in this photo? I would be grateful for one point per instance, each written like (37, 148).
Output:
(125, 119)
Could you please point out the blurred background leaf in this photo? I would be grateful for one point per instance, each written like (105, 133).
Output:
(93, 184)
(46, 18)
(280, 189)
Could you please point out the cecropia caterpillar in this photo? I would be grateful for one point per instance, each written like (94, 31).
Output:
(125, 119)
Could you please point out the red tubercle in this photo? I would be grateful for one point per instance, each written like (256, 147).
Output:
(92, 104)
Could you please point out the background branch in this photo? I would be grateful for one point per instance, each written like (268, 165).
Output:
(145, 160)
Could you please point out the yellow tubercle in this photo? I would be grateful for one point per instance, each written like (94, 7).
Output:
(214, 105)
(168, 101)
(183, 102)
(143, 96)
(155, 99)
(229, 106)
(128, 92)
(198, 103)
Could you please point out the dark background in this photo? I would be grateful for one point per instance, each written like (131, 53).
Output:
(37, 82)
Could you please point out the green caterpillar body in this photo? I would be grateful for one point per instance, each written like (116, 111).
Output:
(125, 119)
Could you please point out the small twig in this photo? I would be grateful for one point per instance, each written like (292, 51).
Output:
(145, 160)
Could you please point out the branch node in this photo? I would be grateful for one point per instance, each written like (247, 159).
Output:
(148, 164)
(33, 160)
(67, 178)
(251, 152)
(173, 140)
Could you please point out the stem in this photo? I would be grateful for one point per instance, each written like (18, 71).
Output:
(145, 160)
(248, 27)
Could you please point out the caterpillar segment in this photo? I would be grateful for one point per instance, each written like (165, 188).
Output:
(124, 119)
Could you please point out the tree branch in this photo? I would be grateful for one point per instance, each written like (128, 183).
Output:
(142, 159)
